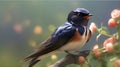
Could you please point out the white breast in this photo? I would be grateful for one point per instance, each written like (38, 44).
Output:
(76, 43)
(73, 46)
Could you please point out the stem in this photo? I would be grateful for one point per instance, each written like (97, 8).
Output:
(118, 30)
(70, 59)
(104, 32)
(108, 35)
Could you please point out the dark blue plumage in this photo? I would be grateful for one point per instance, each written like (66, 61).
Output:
(64, 30)
(68, 28)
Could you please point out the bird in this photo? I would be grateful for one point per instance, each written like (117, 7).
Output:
(69, 37)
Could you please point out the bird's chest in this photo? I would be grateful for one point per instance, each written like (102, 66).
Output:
(76, 42)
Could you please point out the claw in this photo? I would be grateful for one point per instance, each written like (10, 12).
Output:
(69, 52)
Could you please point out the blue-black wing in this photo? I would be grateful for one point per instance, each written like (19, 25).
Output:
(58, 39)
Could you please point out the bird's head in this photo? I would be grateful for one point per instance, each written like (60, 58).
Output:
(79, 16)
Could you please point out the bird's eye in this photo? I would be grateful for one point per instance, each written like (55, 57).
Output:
(87, 17)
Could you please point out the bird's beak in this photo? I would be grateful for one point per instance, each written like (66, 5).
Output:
(90, 14)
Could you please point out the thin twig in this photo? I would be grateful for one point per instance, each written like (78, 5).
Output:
(70, 59)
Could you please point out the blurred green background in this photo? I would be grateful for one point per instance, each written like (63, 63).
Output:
(24, 24)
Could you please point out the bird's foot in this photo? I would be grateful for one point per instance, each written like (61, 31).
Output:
(69, 53)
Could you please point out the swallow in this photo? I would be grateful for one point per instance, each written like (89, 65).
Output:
(69, 37)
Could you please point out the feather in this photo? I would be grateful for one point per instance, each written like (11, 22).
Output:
(59, 38)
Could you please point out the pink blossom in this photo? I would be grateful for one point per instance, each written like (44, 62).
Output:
(117, 63)
(109, 47)
(108, 44)
(115, 13)
(109, 40)
(93, 27)
(95, 47)
(81, 59)
(112, 23)
(96, 51)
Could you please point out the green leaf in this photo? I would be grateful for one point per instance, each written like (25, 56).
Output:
(104, 31)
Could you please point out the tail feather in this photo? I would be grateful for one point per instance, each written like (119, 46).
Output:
(31, 56)
(33, 62)
(28, 58)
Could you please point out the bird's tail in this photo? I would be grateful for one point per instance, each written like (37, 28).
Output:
(35, 57)
(28, 58)
(32, 60)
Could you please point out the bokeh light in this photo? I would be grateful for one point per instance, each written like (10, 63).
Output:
(51, 28)
(48, 64)
(54, 57)
(17, 28)
(32, 43)
(26, 22)
(37, 30)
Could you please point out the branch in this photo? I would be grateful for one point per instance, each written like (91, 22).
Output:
(70, 59)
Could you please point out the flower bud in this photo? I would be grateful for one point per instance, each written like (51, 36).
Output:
(117, 63)
(112, 23)
(109, 47)
(115, 13)
(93, 27)
(96, 52)
(95, 47)
(81, 59)
(109, 40)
